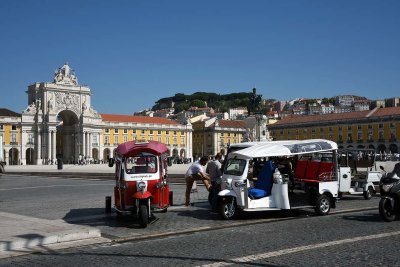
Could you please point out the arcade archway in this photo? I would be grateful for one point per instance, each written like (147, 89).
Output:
(13, 155)
(393, 149)
(68, 138)
(30, 156)
(106, 154)
(95, 154)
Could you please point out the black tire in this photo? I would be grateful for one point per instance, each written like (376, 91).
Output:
(227, 208)
(386, 210)
(368, 194)
(143, 216)
(340, 195)
(323, 205)
(1, 169)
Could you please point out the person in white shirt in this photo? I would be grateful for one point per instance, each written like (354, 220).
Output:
(196, 173)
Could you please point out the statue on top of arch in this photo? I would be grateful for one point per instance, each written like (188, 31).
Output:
(65, 75)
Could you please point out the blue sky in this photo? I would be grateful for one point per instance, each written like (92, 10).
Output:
(131, 53)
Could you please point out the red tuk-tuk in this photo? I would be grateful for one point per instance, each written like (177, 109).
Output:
(141, 179)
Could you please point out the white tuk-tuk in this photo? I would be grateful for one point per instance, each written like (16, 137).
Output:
(364, 177)
(257, 178)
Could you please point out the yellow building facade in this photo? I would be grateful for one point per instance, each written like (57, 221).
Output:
(59, 123)
(213, 135)
(378, 129)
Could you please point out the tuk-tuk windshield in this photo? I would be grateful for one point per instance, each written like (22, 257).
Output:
(141, 164)
(235, 166)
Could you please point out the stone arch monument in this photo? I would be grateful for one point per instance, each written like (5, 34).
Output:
(58, 121)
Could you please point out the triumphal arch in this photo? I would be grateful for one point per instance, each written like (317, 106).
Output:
(59, 122)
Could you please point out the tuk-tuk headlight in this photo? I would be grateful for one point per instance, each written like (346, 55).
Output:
(228, 183)
(141, 186)
(240, 184)
(386, 187)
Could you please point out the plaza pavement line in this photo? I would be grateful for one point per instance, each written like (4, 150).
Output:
(266, 255)
(20, 232)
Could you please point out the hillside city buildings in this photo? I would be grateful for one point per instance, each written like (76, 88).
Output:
(59, 123)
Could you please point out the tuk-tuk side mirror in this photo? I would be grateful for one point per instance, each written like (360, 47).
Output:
(169, 161)
(111, 162)
(381, 167)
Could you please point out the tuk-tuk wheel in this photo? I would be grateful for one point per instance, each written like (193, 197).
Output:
(368, 194)
(386, 210)
(323, 205)
(143, 216)
(227, 208)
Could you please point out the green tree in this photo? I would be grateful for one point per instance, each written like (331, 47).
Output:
(198, 103)
(181, 107)
(179, 97)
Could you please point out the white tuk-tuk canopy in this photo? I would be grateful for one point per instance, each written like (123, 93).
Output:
(286, 148)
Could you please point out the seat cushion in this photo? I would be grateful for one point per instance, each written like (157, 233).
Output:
(255, 193)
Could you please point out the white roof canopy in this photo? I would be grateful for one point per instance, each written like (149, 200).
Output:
(286, 148)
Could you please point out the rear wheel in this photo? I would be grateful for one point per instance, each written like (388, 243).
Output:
(143, 216)
(368, 194)
(386, 210)
(323, 205)
(227, 208)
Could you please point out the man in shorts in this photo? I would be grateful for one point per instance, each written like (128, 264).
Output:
(196, 173)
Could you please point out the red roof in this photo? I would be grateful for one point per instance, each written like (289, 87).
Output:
(231, 123)
(136, 119)
(386, 112)
(130, 149)
(297, 119)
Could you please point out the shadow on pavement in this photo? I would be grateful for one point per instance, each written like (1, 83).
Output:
(369, 217)
(97, 217)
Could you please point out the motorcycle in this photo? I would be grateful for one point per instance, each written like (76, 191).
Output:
(389, 205)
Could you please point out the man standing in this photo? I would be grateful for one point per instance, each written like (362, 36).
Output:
(196, 173)
(215, 172)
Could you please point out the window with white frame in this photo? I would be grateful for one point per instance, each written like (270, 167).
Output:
(116, 141)
(106, 139)
(370, 136)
